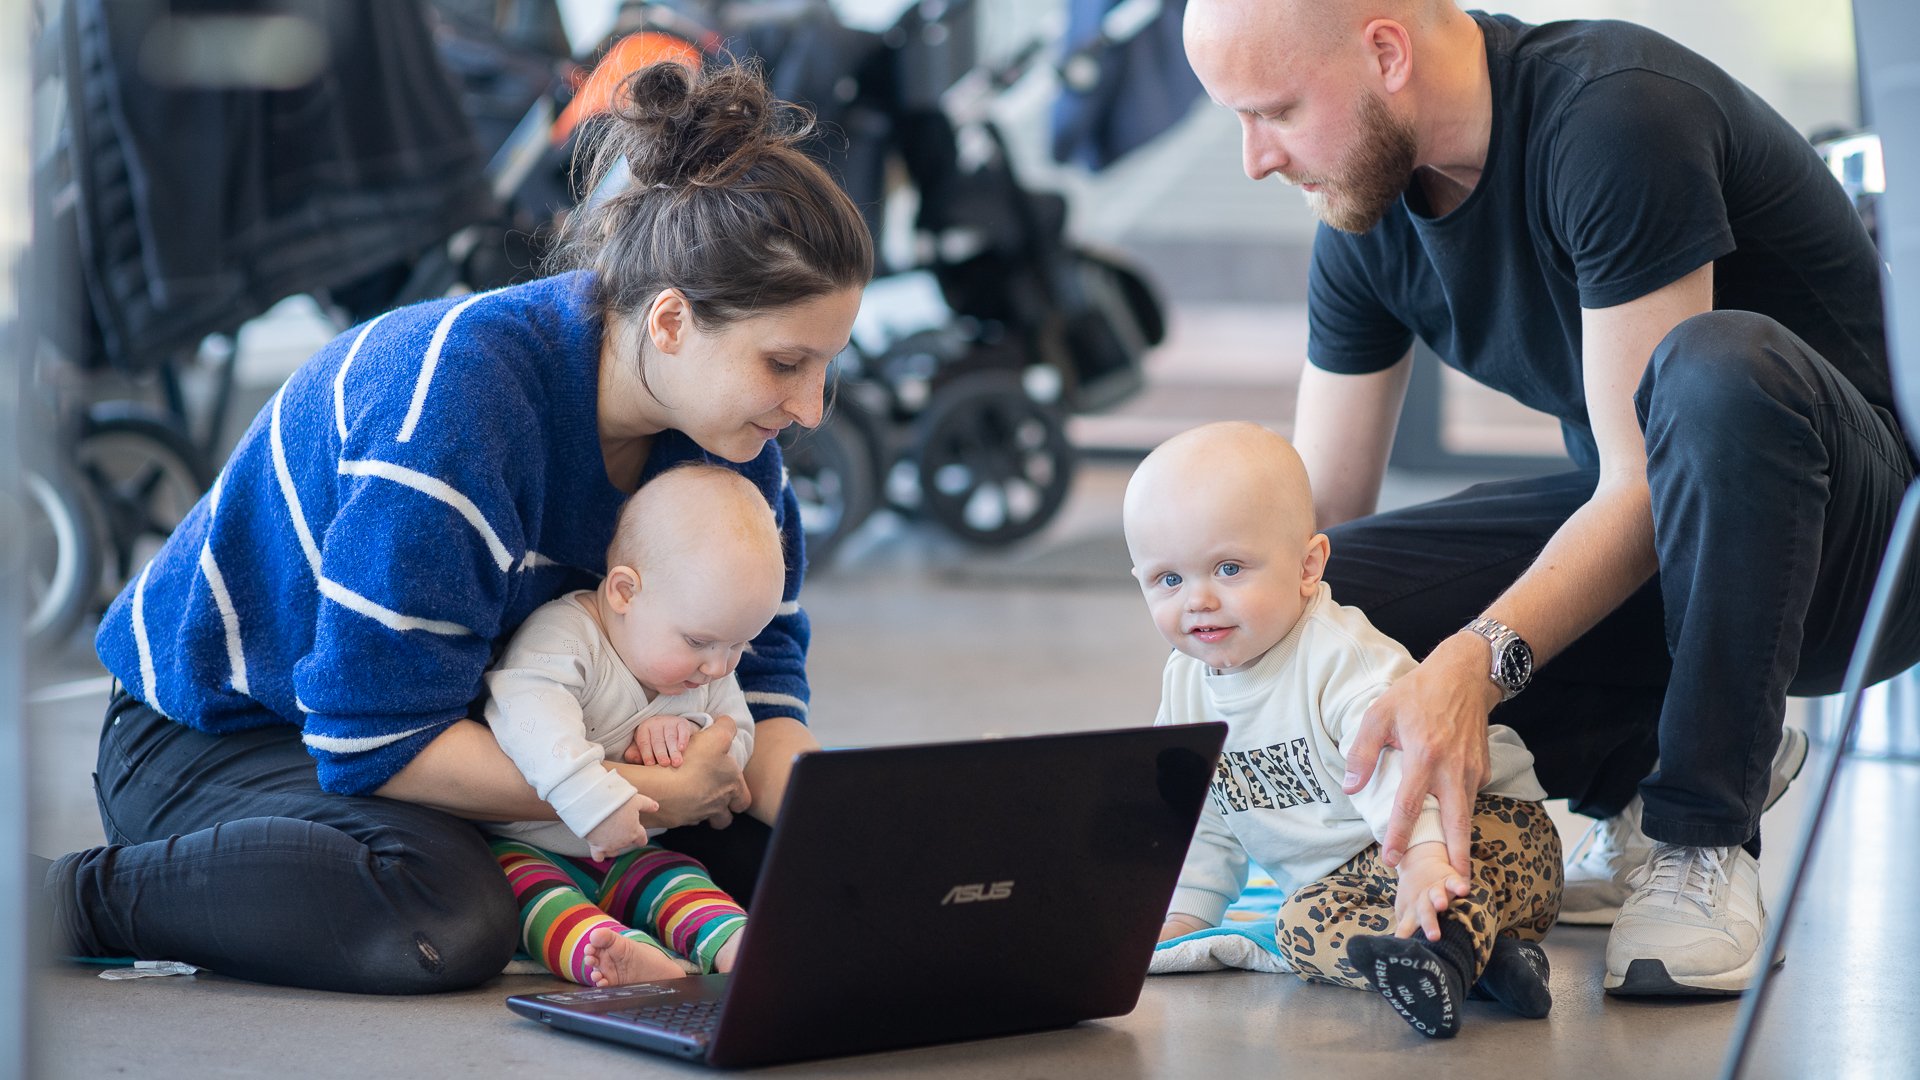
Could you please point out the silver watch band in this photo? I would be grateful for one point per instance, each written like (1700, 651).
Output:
(1499, 636)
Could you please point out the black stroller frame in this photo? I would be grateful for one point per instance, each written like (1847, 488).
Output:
(962, 420)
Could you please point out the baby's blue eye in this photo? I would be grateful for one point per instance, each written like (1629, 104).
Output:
(1169, 580)
(694, 644)
(1229, 569)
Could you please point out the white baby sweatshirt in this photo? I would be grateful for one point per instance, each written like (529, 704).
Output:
(561, 703)
(1292, 717)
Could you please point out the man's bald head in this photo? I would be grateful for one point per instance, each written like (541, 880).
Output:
(1284, 27)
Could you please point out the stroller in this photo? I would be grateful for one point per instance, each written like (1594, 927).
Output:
(952, 401)
(175, 199)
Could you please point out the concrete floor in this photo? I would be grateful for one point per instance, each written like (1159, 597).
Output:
(1051, 636)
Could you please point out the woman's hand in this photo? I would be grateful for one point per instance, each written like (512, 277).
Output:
(708, 785)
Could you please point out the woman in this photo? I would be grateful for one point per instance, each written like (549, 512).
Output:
(289, 756)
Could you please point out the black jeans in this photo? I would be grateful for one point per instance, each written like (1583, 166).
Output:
(1775, 486)
(224, 852)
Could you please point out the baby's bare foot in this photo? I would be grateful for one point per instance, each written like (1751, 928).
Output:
(723, 962)
(616, 960)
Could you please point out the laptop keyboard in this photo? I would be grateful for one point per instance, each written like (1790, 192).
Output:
(694, 1019)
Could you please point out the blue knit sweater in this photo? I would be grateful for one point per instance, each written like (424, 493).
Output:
(409, 496)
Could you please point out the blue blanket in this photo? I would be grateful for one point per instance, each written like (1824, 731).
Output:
(1246, 939)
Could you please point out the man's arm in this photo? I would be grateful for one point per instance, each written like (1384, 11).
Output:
(1343, 427)
(1438, 713)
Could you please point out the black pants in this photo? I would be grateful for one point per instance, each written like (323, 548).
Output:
(224, 852)
(1775, 487)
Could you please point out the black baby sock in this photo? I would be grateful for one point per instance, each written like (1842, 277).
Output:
(1426, 981)
(1516, 976)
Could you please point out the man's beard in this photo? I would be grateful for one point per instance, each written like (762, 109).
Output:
(1356, 195)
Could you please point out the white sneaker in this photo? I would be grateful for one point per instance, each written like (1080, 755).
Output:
(1693, 925)
(1598, 866)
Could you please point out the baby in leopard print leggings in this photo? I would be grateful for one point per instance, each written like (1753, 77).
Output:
(1219, 525)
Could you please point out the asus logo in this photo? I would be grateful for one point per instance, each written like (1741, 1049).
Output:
(969, 894)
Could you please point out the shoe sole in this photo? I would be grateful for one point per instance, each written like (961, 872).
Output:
(1649, 978)
(1794, 743)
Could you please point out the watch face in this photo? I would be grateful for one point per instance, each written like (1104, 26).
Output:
(1516, 665)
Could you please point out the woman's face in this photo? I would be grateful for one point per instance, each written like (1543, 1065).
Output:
(733, 389)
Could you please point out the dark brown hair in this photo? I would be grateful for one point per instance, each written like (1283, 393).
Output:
(720, 203)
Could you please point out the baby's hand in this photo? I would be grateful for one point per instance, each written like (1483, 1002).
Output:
(1178, 925)
(1428, 886)
(661, 740)
(621, 832)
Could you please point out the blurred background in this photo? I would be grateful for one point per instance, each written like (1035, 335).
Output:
(194, 196)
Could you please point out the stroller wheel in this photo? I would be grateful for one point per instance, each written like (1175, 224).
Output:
(145, 475)
(833, 475)
(60, 545)
(994, 464)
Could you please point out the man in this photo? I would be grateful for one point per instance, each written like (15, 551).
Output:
(1607, 227)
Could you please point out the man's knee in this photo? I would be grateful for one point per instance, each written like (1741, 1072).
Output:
(1717, 380)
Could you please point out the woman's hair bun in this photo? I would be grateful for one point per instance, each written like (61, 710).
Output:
(702, 129)
(717, 199)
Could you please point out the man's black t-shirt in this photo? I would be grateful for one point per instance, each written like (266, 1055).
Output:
(1619, 162)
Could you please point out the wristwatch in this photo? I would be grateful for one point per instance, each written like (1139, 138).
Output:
(1512, 659)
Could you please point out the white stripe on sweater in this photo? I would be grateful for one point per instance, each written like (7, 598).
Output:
(236, 659)
(229, 618)
(437, 489)
(335, 744)
(431, 361)
(790, 607)
(147, 677)
(533, 560)
(340, 377)
(287, 490)
(333, 590)
(788, 700)
(386, 616)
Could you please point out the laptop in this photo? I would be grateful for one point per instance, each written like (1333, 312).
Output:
(935, 893)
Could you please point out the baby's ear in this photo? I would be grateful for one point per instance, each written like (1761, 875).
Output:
(1314, 565)
(622, 585)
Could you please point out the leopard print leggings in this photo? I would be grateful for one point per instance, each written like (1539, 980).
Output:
(1516, 892)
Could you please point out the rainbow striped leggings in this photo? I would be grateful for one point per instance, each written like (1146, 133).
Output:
(655, 896)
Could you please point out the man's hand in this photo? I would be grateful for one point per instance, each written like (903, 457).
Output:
(660, 740)
(1178, 925)
(706, 787)
(1428, 886)
(621, 831)
(1436, 715)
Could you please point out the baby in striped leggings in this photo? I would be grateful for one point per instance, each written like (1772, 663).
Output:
(629, 672)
